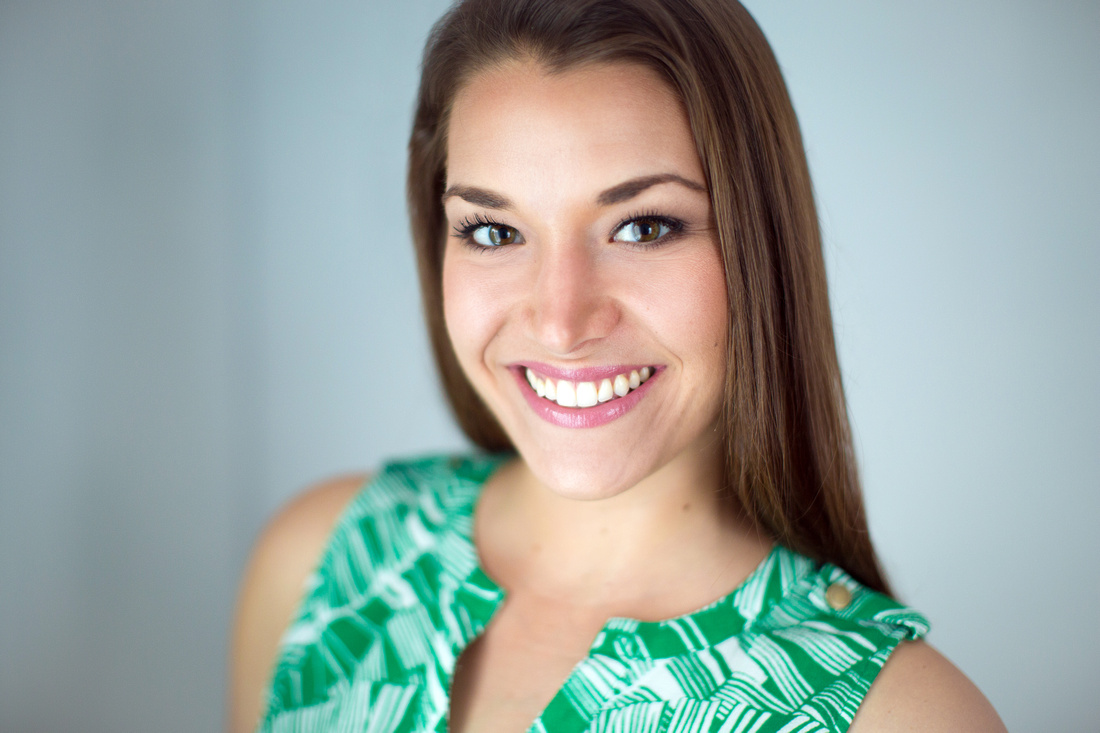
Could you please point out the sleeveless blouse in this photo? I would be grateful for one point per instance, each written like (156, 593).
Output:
(399, 594)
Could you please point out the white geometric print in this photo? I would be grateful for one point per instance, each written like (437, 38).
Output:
(398, 595)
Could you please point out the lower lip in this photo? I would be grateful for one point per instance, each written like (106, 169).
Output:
(582, 417)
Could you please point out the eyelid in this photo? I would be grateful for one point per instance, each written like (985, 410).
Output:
(675, 228)
(464, 231)
(470, 223)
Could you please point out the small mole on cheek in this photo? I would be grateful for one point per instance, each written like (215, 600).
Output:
(686, 507)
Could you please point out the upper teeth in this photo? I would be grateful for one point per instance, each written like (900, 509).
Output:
(587, 394)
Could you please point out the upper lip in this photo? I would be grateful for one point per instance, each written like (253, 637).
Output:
(580, 374)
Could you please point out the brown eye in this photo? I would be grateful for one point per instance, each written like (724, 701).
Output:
(494, 235)
(643, 230)
(502, 235)
(646, 230)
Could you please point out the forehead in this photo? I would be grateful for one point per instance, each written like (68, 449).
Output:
(598, 124)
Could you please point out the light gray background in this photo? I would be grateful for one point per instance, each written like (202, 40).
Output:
(207, 301)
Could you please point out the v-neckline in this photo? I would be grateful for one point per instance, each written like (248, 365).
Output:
(478, 597)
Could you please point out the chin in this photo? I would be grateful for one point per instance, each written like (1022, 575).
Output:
(583, 477)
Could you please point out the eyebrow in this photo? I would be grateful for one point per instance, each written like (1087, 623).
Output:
(478, 197)
(629, 189)
(614, 195)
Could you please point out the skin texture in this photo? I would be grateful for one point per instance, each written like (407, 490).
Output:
(571, 296)
(538, 153)
(920, 690)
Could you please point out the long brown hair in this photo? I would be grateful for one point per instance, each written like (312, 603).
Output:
(789, 459)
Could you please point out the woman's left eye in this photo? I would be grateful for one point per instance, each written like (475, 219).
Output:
(645, 229)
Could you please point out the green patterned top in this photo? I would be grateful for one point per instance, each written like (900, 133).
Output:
(398, 595)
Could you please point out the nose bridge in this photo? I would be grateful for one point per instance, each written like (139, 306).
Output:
(569, 303)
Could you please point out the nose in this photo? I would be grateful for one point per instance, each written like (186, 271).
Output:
(571, 303)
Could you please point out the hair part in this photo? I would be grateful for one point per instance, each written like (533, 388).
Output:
(789, 461)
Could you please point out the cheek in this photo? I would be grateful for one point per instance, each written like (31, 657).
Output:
(714, 307)
(456, 307)
(469, 310)
(693, 312)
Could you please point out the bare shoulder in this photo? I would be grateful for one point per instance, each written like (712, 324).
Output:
(920, 690)
(284, 555)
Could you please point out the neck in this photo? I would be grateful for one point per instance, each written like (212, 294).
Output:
(671, 539)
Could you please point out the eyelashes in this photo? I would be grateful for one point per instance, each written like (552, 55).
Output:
(648, 229)
(485, 233)
(467, 226)
(643, 230)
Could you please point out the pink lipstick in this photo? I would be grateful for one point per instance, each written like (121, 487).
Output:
(609, 408)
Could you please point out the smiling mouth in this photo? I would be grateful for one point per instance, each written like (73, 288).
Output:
(566, 393)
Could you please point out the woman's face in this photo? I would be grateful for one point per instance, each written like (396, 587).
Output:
(581, 250)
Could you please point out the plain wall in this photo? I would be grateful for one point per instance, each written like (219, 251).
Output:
(208, 301)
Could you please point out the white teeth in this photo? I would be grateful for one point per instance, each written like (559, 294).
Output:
(606, 392)
(586, 394)
(567, 394)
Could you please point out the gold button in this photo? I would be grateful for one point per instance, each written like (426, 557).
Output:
(838, 597)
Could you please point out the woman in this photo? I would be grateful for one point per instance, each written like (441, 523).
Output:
(622, 273)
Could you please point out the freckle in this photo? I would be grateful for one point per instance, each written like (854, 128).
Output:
(686, 507)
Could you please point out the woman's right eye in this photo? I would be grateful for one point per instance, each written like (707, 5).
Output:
(494, 235)
(486, 234)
